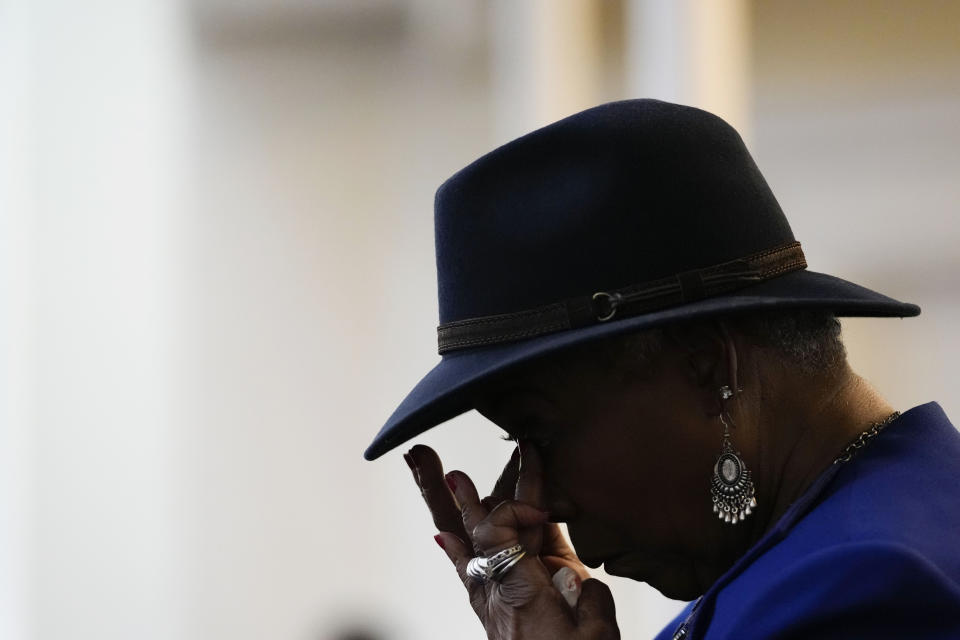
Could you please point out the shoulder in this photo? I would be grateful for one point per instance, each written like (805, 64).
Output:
(902, 491)
(861, 589)
(876, 556)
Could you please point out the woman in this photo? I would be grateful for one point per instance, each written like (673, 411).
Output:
(621, 293)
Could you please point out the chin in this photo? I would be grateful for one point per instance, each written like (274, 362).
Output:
(685, 592)
(674, 581)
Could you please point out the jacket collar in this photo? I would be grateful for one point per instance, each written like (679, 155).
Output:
(928, 416)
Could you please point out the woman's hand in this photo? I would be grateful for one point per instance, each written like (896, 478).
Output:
(524, 604)
(555, 552)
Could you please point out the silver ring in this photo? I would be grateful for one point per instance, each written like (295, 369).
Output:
(476, 571)
(483, 569)
(501, 569)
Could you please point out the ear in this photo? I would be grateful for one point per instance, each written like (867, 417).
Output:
(709, 359)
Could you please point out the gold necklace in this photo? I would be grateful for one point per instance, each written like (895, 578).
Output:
(865, 437)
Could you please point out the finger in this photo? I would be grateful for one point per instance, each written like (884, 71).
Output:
(568, 583)
(510, 523)
(428, 471)
(459, 554)
(490, 502)
(553, 539)
(530, 476)
(506, 485)
(472, 511)
(596, 609)
(503, 528)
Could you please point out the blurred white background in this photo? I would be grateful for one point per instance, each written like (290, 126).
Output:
(218, 274)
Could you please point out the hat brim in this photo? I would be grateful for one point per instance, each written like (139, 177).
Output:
(445, 392)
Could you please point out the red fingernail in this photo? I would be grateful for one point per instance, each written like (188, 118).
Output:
(451, 482)
(439, 540)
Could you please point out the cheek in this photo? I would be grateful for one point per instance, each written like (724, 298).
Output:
(599, 471)
(636, 447)
(631, 474)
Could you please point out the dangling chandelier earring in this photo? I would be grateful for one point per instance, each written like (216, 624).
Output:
(732, 485)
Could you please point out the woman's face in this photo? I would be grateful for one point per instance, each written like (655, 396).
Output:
(627, 465)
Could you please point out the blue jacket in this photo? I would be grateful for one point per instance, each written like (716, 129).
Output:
(871, 550)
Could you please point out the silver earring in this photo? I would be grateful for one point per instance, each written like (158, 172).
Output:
(732, 486)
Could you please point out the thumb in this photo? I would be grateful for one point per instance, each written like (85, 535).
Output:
(596, 612)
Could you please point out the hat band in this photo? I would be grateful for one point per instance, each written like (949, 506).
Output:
(604, 306)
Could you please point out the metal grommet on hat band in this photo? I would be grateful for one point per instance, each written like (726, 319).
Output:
(604, 306)
(611, 300)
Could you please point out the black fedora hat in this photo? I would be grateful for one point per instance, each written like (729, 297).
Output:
(624, 216)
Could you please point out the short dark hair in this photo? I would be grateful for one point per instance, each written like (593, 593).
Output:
(810, 339)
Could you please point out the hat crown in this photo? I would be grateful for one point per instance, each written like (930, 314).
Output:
(619, 194)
